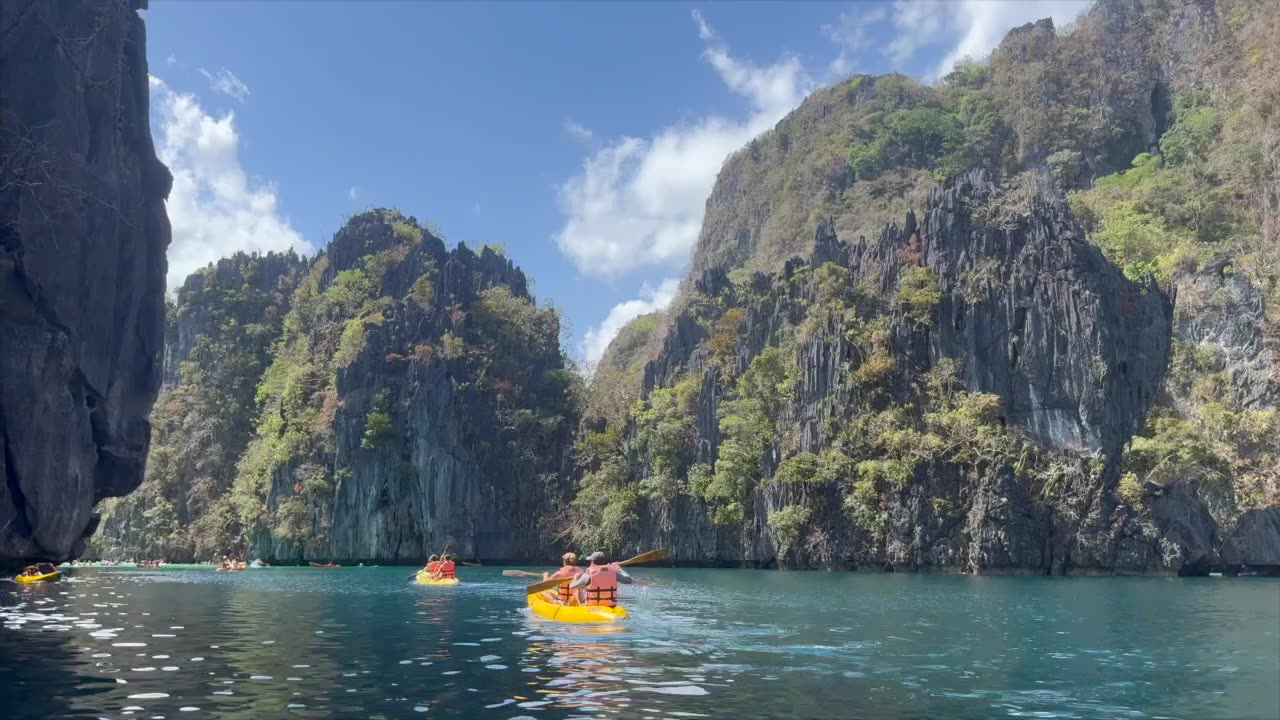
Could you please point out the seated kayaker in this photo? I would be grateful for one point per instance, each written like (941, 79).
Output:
(29, 570)
(601, 581)
(570, 570)
(447, 569)
(433, 563)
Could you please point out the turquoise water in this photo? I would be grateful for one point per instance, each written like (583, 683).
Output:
(701, 643)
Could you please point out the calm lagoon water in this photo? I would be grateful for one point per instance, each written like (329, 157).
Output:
(367, 643)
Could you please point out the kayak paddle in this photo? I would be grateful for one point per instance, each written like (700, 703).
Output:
(651, 556)
(521, 573)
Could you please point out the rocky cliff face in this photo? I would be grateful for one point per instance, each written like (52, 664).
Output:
(1033, 315)
(82, 268)
(1004, 382)
(418, 397)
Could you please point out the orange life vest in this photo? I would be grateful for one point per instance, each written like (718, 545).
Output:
(571, 572)
(448, 570)
(431, 567)
(603, 588)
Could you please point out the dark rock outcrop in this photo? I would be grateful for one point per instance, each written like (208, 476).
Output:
(1255, 540)
(83, 233)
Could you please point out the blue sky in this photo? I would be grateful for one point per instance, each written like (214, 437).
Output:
(583, 137)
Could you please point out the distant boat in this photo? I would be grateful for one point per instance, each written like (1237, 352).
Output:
(324, 565)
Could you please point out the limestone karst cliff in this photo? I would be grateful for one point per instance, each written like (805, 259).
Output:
(83, 233)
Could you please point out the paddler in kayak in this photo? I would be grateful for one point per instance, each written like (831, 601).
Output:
(570, 571)
(433, 563)
(601, 581)
(447, 569)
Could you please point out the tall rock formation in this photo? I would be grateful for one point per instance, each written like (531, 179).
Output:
(83, 233)
(1061, 357)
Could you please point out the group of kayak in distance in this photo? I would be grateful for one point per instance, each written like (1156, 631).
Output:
(570, 594)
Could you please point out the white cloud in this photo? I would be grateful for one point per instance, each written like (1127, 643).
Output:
(639, 201)
(851, 34)
(353, 194)
(214, 208)
(227, 83)
(985, 23)
(172, 59)
(651, 299)
(971, 28)
(578, 131)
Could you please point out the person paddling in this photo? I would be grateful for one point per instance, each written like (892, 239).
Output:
(447, 569)
(601, 581)
(433, 563)
(569, 571)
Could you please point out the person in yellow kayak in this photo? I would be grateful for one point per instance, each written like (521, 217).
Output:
(447, 569)
(570, 571)
(433, 563)
(601, 581)
(38, 569)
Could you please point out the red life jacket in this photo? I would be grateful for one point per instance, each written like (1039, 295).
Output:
(431, 567)
(571, 572)
(603, 588)
(448, 569)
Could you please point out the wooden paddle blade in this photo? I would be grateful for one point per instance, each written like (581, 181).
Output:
(538, 587)
(521, 573)
(651, 556)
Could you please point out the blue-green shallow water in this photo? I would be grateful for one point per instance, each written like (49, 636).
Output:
(701, 643)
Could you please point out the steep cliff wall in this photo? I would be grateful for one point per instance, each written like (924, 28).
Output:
(82, 268)
(979, 430)
(418, 396)
(984, 387)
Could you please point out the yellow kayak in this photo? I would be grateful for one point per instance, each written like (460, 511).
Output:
(47, 577)
(575, 613)
(426, 579)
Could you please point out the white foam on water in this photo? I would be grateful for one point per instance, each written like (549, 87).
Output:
(163, 635)
(160, 657)
(508, 701)
(197, 659)
(490, 639)
(188, 708)
(495, 667)
(489, 658)
(100, 655)
(419, 708)
(268, 642)
(677, 690)
(169, 668)
(149, 696)
(530, 670)
(129, 644)
(144, 669)
(467, 644)
(302, 666)
(259, 677)
(406, 662)
(451, 672)
(295, 706)
(223, 692)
